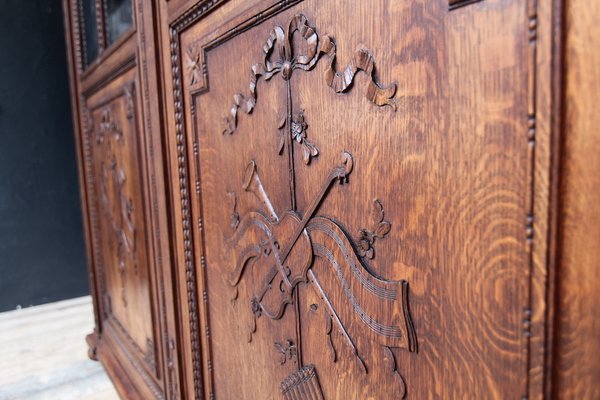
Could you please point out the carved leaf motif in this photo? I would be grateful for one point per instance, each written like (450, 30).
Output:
(383, 229)
(377, 212)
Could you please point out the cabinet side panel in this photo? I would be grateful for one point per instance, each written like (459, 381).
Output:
(577, 368)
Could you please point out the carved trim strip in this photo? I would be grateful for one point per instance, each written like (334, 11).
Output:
(148, 379)
(531, 179)
(148, 356)
(190, 270)
(168, 345)
(80, 45)
(100, 27)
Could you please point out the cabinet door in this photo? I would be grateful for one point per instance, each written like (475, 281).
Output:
(120, 139)
(356, 185)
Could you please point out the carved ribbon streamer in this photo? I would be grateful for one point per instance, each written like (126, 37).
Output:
(363, 60)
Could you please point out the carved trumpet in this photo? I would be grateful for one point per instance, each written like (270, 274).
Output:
(253, 184)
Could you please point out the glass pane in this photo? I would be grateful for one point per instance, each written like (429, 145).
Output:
(89, 30)
(119, 18)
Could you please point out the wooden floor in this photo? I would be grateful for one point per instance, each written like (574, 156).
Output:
(43, 354)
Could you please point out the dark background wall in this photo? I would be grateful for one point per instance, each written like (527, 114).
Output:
(42, 255)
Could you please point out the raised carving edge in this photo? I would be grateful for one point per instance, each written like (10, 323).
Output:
(392, 366)
(454, 4)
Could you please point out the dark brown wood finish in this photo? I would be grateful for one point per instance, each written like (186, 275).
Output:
(576, 375)
(309, 199)
(324, 124)
(125, 206)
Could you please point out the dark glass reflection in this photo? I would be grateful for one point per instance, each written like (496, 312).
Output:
(89, 43)
(119, 18)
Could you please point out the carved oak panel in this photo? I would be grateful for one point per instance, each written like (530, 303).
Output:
(122, 253)
(348, 218)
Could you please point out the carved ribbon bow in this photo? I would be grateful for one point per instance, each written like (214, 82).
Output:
(290, 58)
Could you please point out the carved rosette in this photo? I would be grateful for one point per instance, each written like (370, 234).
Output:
(193, 65)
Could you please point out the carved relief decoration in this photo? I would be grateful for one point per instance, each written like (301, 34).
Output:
(286, 350)
(193, 66)
(366, 238)
(117, 206)
(129, 93)
(453, 4)
(390, 361)
(302, 384)
(280, 57)
(284, 246)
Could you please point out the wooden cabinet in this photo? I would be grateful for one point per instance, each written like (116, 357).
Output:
(334, 200)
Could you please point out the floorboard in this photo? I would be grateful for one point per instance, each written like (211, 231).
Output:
(43, 354)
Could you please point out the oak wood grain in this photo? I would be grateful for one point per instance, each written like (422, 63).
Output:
(576, 374)
(343, 199)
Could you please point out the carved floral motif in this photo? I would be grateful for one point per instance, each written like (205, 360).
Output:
(286, 351)
(298, 132)
(366, 238)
